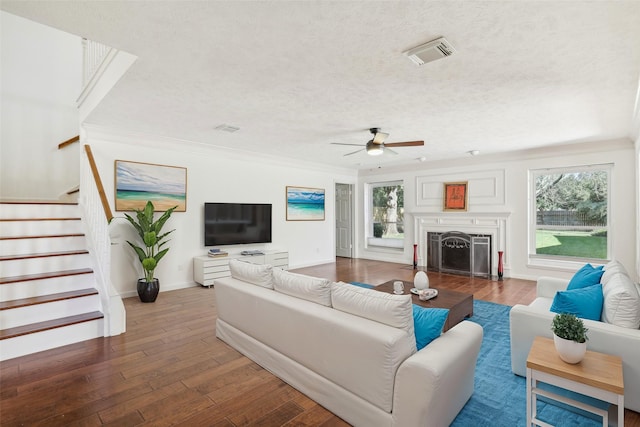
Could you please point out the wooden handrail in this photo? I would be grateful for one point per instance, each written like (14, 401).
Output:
(96, 177)
(68, 142)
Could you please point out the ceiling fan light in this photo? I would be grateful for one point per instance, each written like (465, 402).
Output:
(374, 149)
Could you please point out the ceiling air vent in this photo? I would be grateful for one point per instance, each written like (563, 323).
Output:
(227, 128)
(431, 51)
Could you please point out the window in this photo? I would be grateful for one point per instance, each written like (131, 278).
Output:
(570, 213)
(385, 217)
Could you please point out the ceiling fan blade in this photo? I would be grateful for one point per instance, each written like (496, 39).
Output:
(379, 137)
(389, 150)
(357, 151)
(405, 144)
(342, 143)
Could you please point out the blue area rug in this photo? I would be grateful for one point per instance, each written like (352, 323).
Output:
(362, 285)
(499, 398)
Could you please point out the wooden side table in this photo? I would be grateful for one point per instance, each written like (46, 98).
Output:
(598, 375)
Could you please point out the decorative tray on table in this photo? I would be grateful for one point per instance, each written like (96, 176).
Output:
(428, 293)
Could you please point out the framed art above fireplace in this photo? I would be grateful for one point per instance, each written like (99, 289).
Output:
(455, 196)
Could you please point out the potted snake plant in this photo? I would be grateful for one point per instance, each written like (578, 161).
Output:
(151, 252)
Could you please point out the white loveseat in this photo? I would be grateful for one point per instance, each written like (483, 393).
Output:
(617, 333)
(350, 349)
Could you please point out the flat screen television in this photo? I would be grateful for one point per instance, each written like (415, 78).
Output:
(236, 223)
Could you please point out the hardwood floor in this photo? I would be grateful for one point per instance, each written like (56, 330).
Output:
(169, 368)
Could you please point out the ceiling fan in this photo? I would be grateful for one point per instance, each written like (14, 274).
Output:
(376, 145)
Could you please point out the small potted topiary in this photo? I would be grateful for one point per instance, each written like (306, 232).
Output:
(570, 337)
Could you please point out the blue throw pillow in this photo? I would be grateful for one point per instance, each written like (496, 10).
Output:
(428, 324)
(584, 302)
(586, 276)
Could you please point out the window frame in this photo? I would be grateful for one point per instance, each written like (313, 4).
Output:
(372, 242)
(558, 261)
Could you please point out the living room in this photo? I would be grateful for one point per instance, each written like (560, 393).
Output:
(499, 180)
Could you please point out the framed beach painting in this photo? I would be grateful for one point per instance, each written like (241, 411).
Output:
(136, 183)
(455, 196)
(305, 204)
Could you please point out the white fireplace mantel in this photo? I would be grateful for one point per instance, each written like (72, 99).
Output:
(494, 224)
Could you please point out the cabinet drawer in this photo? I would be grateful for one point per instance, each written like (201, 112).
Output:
(216, 275)
(215, 268)
(276, 259)
(253, 259)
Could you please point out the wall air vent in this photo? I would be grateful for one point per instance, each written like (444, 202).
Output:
(431, 51)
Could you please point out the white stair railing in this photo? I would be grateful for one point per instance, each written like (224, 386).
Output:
(99, 243)
(93, 54)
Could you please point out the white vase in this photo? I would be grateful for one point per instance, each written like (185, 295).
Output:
(568, 350)
(421, 280)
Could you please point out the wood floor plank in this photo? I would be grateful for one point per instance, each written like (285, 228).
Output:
(169, 368)
(279, 416)
(312, 416)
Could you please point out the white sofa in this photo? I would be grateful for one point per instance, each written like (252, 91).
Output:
(315, 335)
(605, 336)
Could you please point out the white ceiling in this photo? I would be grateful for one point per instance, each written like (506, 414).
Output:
(296, 76)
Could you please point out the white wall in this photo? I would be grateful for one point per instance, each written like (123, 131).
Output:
(511, 196)
(41, 78)
(215, 175)
(637, 193)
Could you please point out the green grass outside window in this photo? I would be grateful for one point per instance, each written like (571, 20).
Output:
(581, 244)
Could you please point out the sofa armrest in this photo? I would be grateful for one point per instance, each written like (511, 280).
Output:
(528, 322)
(548, 286)
(525, 323)
(433, 385)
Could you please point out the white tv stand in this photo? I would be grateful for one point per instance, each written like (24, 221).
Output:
(206, 269)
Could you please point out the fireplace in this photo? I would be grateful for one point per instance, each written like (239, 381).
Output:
(459, 253)
(488, 228)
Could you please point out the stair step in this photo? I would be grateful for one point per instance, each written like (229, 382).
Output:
(42, 255)
(49, 275)
(50, 324)
(51, 236)
(24, 302)
(36, 202)
(39, 219)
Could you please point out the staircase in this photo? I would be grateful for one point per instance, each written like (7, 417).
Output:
(48, 296)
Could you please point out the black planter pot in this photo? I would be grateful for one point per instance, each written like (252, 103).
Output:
(148, 291)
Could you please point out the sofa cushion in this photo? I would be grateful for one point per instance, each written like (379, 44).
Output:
(256, 274)
(428, 324)
(392, 310)
(583, 302)
(588, 275)
(306, 287)
(611, 269)
(621, 302)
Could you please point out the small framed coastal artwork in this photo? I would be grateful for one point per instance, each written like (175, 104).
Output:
(455, 196)
(136, 183)
(305, 204)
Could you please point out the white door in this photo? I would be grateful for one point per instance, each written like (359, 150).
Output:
(344, 225)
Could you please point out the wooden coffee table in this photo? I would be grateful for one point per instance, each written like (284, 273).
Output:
(460, 305)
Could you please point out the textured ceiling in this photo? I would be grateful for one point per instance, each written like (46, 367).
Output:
(298, 76)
